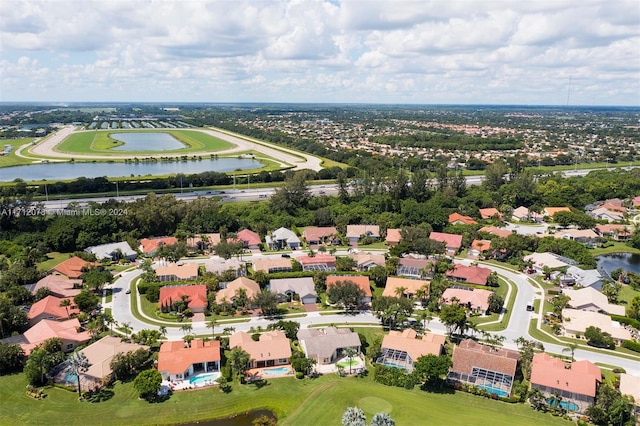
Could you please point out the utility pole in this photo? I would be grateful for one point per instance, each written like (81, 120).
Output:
(117, 190)
(46, 192)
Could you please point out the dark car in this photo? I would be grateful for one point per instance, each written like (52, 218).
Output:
(286, 255)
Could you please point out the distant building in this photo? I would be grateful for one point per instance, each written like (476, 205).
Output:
(469, 274)
(490, 213)
(314, 235)
(452, 242)
(149, 246)
(355, 232)
(113, 251)
(249, 239)
(393, 237)
(177, 272)
(458, 219)
(73, 267)
(269, 265)
(319, 262)
(283, 238)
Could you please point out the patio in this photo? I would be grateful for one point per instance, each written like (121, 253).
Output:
(357, 366)
(269, 373)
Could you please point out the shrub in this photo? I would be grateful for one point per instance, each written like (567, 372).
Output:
(632, 346)
(299, 375)
(626, 320)
(619, 370)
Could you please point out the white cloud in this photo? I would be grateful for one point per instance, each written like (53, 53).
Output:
(320, 50)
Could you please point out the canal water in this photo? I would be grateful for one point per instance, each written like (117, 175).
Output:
(613, 261)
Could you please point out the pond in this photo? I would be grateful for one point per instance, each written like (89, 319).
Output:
(613, 261)
(245, 419)
(146, 141)
(63, 171)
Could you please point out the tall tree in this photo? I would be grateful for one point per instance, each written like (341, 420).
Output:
(292, 195)
(239, 360)
(346, 294)
(147, 383)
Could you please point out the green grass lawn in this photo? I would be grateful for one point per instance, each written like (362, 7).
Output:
(100, 142)
(53, 258)
(627, 294)
(12, 159)
(296, 402)
(616, 247)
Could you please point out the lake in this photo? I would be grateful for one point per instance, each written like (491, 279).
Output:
(613, 261)
(146, 142)
(245, 419)
(63, 171)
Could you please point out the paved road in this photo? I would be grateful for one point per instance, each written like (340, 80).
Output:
(518, 323)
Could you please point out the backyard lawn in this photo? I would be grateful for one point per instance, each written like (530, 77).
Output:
(310, 402)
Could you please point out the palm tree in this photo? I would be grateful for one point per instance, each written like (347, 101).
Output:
(163, 331)
(423, 293)
(400, 291)
(571, 348)
(425, 317)
(212, 325)
(350, 353)
(126, 328)
(80, 365)
(186, 328)
(65, 303)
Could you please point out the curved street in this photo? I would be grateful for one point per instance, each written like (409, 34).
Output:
(518, 322)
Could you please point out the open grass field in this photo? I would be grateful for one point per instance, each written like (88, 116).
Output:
(296, 402)
(12, 159)
(53, 258)
(100, 142)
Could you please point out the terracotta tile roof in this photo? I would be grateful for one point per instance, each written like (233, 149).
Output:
(502, 233)
(272, 345)
(614, 207)
(250, 286)
(269, 263)
(469, 354)
(477, 298)
(211, 240)
(581, 378)
(412, 262)
(489, 213)
(59, 286)
(46, 329)
(550, 211)
(175, 358)
(481, 245)
(429, 344)
(73, 267)
(613, 229)
(411, 286)
(249, 238)
(197, 295)
(451, 241)
(360, 280)
(187, 271)
(318, 259)
(364, 259)
(469, 274)
(150, 245)
(458, 218)
(50, 307)
(393, 236)
(630, 385)
(315, 233)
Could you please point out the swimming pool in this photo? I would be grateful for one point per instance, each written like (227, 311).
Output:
(491, 389)
(567, 405)
(392, 365)
(276, 371)
(204, 379)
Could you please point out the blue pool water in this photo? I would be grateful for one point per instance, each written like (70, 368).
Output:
(392, 365)
(567, 405)
(497, 391)
(276, 371)
(201, 379)
(70, 377)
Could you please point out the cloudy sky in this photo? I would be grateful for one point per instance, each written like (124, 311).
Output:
(355, 51)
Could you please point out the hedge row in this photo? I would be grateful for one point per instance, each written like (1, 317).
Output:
(626, 320)
(632, 346)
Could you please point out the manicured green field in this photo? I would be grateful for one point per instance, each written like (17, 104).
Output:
(100, 142)
(296, 402)
(12, 159)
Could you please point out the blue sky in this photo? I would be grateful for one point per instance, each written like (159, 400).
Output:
(355, 51)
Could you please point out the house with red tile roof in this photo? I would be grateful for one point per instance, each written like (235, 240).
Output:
(576, 383)
(69, 331)
(469, 274)
(551, 211)
(490, 213)
(458, 219)
(149, 246)
(250, 239)
(230, 292)
(484, 367)
(319, 262)
(270, 265)
(49, 308)
(393, 237)
(614, 231)
(178, 361)
(636, 201)
(584, 236)
(475, 299)
(355, 232)
(272, 349)
(203, 241)
(411, 287)
(73, 267)
(359, 280)
(177, 272)
(452, 242)
(401, 349)
(58, 286)
(479, 247)
(316, 235)
(196, 296)
(498, 232)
